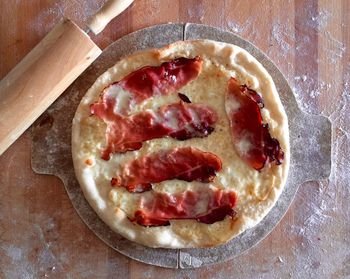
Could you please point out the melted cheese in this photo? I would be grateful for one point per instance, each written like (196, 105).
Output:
(257, 191)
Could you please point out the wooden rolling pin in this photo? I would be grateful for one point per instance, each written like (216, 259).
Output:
(37, 81)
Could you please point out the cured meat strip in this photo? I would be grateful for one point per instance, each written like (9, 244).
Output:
(206, 206)
(146, 82)
(187, 163)
(251, 137)
(117, 100)
(163, 79)
(181, 121)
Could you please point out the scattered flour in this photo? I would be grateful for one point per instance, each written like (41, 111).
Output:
(196, 11)
(315, 207)
(77, 10)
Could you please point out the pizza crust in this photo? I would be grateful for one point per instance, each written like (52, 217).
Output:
(257, 191)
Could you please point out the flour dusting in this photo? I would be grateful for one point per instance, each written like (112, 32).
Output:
(310, 244)
(322, 252)
(196, 11)
(79, 11)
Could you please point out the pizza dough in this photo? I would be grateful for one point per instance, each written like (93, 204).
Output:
(257, 191)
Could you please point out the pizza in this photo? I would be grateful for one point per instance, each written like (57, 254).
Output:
(183, 146)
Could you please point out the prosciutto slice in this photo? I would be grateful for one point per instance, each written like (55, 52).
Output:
(187, 163)
(147, 82)
(251, 136)
(206, 206)
(181, 121)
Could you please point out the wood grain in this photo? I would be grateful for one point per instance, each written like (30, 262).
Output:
(40, 233)
(106, 13)
(36, 82)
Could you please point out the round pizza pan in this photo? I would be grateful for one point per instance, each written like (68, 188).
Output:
(51, 149)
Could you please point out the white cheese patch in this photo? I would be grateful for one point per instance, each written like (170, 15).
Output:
(123, 98)
(244, 145)
(171, 120)
(232, 105)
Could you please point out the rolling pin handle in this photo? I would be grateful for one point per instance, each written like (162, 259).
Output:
(110, 10)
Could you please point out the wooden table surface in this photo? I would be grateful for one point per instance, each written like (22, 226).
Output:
(42, 236)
